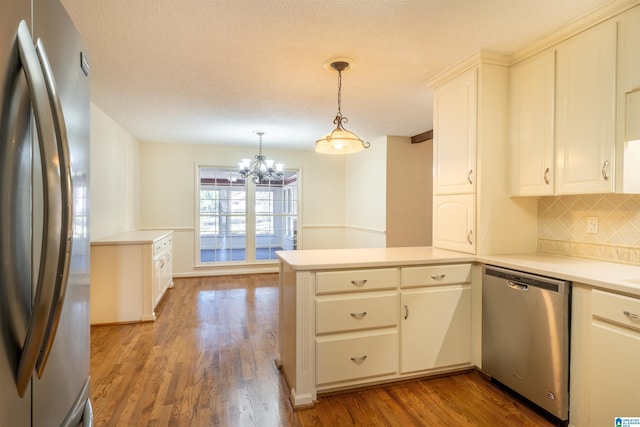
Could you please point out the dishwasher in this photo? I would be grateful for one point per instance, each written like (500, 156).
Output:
(525, 336)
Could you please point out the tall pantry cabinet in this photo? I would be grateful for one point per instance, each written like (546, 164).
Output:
(472, 210)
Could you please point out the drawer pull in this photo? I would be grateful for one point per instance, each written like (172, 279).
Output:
(438, 276)
(406, 312)
(359, 315)
(631, 316)
(359, 359)
(469, 176)
(359, 282)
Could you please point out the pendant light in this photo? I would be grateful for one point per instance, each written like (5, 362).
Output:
(260, 169)
(340, 140)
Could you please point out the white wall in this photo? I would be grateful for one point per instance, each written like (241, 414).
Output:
(409, 192)
(168, 195)
(115, 177)
(365, 192)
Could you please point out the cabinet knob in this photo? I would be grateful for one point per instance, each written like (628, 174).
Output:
(359, 316)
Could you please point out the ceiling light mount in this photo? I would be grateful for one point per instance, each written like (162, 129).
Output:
(340, 140)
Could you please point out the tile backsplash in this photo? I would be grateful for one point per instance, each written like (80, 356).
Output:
(562, 226)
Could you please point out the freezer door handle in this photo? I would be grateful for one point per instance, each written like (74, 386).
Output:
(65, 226)
(48, 270)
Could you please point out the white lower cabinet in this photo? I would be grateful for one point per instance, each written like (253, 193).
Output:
(615, 358)
(340, 313)
(435, 328)
(130, 272)
(394, 323)
(356, 356)
(162, 268)
(435, 318)
(356, 325)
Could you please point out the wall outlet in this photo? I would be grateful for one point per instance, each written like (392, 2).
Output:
(592, 224)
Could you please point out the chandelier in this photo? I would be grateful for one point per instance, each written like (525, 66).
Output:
(340, 140)
(260, 169)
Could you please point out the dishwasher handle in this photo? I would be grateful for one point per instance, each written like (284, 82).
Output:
(517, 286)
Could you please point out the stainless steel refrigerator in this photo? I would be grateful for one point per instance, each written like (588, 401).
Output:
(44, 217)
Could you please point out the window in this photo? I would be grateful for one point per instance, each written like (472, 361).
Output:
(245, 222)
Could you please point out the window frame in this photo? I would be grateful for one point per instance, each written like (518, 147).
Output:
(250, 213)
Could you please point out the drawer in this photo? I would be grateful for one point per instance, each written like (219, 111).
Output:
(356, 280)
(435, 275)
(162, 245)
(353, 356)
(356, 311)
(616, 308)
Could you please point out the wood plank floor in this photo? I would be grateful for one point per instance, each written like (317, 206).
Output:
(208, 360)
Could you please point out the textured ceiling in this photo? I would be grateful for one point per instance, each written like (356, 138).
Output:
(214, 71)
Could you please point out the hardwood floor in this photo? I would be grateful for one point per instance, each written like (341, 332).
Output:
(208, 360)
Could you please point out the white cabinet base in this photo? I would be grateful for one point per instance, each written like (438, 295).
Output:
(130, 273)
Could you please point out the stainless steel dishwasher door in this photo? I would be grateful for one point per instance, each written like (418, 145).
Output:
(525, 336)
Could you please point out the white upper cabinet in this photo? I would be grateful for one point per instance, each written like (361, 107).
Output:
(628, 115)
(585, 111)
(532, 125)
(454, 222)
(471, 162)
(455, 117)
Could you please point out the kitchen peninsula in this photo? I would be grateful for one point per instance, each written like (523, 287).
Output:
(355, 317)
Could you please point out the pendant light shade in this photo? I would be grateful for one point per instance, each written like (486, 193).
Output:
(340, 140)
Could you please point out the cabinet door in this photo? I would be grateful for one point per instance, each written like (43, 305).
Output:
(455, 122)
(435, 327)
(628, 52)
(585, 116)
(628, 115)
(532, 122)
(454, 222)
(614, 373)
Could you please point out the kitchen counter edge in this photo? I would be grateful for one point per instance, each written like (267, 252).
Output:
(133, 237)
(621, 278)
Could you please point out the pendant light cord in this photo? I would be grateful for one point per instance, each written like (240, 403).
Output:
(340, 93)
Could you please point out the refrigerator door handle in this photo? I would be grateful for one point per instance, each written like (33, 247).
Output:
(48, 268)
(66, 225)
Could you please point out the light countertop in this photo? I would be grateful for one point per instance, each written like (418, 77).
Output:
(326, 259)
(624, 278)
(133, 237)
